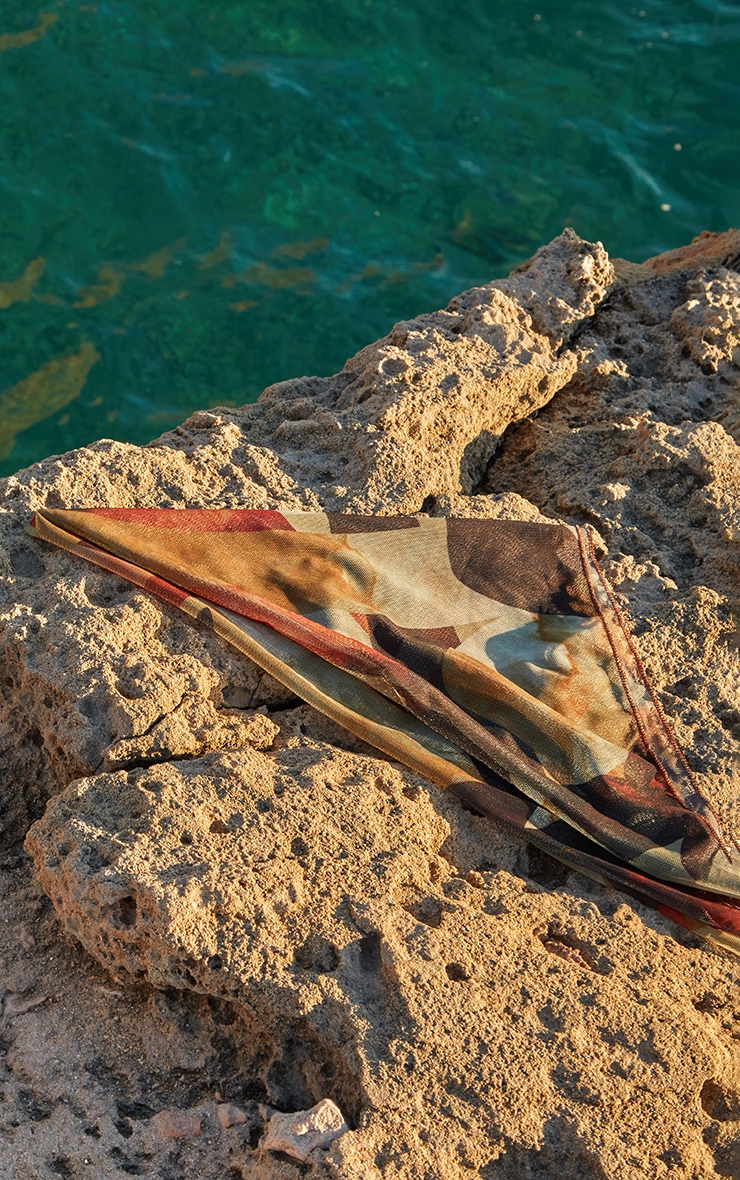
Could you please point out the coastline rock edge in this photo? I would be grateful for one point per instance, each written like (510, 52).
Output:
(285, 916)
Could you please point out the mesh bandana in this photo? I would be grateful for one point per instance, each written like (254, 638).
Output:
(488, 655)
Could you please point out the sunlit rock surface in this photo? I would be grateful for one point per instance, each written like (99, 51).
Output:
(277, 915)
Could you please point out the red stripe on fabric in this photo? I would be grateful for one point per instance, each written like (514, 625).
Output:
(200, 520)
(165, 590)
(720, 917)
(361, 620)
(696, 802)
(332, 646)
(636, 715)
(666, 729)
(132, 573)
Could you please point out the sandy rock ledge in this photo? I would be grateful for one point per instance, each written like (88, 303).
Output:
(271, 914)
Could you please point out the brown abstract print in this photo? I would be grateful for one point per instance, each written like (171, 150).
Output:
(488, 655)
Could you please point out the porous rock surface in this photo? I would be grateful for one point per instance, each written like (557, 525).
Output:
(274, 913)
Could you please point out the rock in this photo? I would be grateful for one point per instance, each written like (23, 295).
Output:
(229, 1115)
(643, 444)
(417, 414)
(178, 1124)
(709, 320)
(338, 915)
(472, 1007)
(193, 727)
(300, 1133)
(706, 250)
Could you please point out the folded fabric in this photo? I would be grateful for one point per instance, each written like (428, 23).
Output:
(488, 655)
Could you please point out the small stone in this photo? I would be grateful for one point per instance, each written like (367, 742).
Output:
(300, 1133)
(178, 1124)
(27, 940)
(229, 1115)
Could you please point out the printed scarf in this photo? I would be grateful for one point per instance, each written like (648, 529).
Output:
(488, 655)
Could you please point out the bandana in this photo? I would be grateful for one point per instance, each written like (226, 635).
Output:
(488, 655)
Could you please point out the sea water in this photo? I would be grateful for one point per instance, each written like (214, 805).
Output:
(199, 199)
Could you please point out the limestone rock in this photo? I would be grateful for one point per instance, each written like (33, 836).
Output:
(91, 666)
(304, 1131)
(178, 1124)
(707, 249)
(193, 727)
(317, 921)
(709, 320)
(229, 1115)
(643, 444)
(448, 989)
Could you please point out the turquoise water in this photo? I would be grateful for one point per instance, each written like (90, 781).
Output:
(197, 200)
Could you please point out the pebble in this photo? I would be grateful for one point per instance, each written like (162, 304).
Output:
(475, 879)
(178, 1124)
(300, 1133)
(229, 1115)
